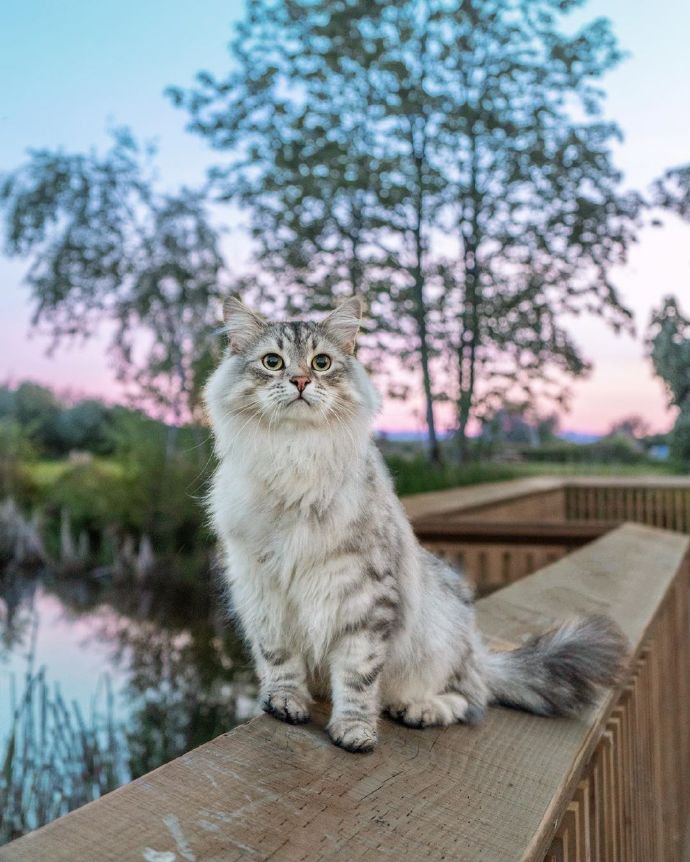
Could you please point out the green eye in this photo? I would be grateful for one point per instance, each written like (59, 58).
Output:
(273, 362)
(321, 362)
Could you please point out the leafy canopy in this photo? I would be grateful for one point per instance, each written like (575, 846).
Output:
(448, 160)
(107, 248)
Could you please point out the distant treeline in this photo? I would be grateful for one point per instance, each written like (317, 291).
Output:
(53, 428)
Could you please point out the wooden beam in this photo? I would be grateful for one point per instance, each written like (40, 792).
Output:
(474, 497)
(495, 792)
(570, 533)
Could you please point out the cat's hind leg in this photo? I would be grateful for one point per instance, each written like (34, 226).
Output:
(461, 695)
(434, 711)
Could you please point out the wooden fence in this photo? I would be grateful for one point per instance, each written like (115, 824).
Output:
(501, 532)
(659, 503)
(611, 785)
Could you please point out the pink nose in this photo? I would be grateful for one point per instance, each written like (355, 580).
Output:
(300, 382)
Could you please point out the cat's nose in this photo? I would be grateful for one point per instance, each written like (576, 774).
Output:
(300, 382)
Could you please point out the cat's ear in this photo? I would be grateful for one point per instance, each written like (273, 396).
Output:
(343, 324)
(242, 324)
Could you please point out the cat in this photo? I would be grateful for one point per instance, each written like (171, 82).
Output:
(329, 584)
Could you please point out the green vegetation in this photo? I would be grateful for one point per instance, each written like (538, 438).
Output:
(149, 487)
(669, 343)
(416, 476)
(149, 483)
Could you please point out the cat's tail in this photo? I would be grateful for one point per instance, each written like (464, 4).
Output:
(557, 673)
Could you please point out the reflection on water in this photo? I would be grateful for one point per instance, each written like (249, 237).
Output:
(178, 672)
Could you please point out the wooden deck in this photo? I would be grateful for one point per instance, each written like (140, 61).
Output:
(609, 787)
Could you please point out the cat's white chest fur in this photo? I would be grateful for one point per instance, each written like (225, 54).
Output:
(280, 529)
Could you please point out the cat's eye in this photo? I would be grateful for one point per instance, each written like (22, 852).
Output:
(273, 362)
(321, 362)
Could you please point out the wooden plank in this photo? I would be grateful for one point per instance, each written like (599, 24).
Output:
(494, 793)
(477, 496)
(649, 481)
(574, 533)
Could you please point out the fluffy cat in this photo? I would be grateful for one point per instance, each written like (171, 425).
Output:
(328, 581)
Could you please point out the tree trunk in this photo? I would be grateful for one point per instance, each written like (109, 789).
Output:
(421, 311)
(470, 337)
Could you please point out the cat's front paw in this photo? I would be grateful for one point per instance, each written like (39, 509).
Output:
(288, 706)
(353, 734)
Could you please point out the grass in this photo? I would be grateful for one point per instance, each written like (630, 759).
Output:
(54, 760)
(416, 475)
(45, 473)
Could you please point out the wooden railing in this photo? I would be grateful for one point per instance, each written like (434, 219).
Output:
(659, 503)
(611, 785)
(501, 532)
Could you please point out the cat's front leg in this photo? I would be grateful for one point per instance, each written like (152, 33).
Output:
(356, 662)
(284, 691)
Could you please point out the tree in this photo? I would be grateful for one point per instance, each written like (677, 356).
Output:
(669, 343)
(672, 191)
(632, 427)
(107, 247)
(669, 333)
(448, 161)
(87, 425)
(37, 412)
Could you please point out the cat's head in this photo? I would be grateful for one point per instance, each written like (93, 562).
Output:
(296, 373)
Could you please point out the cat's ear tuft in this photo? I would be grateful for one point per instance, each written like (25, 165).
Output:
(241, 323)
(343, 323)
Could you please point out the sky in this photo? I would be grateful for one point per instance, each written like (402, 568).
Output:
(70, 70)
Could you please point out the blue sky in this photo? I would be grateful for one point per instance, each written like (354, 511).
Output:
(69, 69)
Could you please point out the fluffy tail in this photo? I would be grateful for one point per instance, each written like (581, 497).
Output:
(556, 673)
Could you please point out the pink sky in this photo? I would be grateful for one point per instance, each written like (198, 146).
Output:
(621, 384)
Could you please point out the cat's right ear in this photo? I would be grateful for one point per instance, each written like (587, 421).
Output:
(241, 323)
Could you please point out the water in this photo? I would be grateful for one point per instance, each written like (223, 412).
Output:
(178, 673)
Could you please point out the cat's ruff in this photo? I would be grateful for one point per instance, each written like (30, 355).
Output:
(328, 582)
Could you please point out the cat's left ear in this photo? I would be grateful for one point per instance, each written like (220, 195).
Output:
(343, 323)
(242, 324)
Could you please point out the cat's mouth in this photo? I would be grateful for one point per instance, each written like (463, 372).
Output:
(300, 400)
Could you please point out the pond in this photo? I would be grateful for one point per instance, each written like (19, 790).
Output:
(109, 677)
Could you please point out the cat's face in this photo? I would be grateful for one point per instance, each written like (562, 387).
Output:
(296, 372)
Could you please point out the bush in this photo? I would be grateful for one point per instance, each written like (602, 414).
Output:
(16, 453)
(617, 449)
(416, 475)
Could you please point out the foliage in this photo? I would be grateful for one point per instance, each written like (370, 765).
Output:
(151, 482)
(672, 191)
(107, 247)
(680, 441)
(36, 410)
(669, 343)
(86, 426)
(448, 161)
(164, 477)
(415, 476)
(16, 453)
(618, 450)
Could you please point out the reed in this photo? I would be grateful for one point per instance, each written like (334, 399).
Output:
(55, 759)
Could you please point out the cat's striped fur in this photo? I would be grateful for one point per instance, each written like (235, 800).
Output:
(332, 589)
